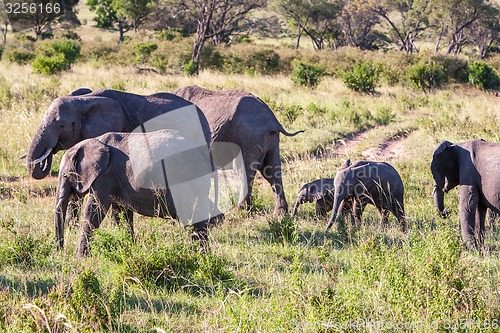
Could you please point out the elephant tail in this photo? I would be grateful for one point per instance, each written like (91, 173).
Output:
(282, 130)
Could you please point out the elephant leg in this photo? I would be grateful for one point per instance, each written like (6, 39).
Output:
(271, 171)
(245, 201)
(480, 223)
(200, 234)
(359, 205)
(321, 210)
(469, 198)
(384, 217)
(93, 214)
(73, 211)
(119, 213)
(346, 210)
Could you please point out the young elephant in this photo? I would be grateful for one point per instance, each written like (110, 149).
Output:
(319, 191)
(158, 173)
(366, 182)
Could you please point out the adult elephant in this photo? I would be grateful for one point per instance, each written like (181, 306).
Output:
(243, 119)
(475, 166)
(131, 170)
(85, 114)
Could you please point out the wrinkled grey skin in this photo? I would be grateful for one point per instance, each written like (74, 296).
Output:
(319, 191)
(367, 182)
(101, 167)
(475, 166)
(85, 114)
(243, 119)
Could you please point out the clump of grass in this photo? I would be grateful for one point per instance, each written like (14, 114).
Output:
(283, 230)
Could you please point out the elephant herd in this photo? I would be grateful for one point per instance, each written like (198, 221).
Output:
(158, 155)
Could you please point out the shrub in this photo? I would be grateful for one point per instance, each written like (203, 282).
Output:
(50, 65)
(20, 56)
(143, 51)
(56, 57)
(483, 76)
(189, 68)
(363, 77)
(426, 75)
(263, 62)
(306, 74)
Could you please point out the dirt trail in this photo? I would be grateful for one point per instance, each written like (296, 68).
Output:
(388, 150)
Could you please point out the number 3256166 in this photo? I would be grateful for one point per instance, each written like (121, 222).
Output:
(32, 8)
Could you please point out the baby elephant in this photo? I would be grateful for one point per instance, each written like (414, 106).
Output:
(319, 191)
(366, 182)
(158, 173)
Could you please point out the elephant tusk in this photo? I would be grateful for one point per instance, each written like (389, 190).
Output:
(43, 157)
(23, 156)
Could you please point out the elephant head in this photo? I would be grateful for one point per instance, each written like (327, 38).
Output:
(351, 180)
(80, 166)
(68, 120)
(445, 171)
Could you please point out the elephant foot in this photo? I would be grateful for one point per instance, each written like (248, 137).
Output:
(281, 210)
(200, 235)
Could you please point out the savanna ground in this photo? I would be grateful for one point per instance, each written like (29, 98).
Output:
(263, 273)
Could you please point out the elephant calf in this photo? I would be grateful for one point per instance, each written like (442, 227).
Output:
(158, 173)
(366, 182)
(319, 191)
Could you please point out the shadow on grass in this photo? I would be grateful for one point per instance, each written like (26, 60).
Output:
(30, 288)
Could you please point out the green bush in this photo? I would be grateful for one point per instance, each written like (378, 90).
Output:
(263, 62)
(483, 76)
(143, 51)
(19, 56)
(50, 65)
(426, 75)
(189, 68)
(307, 74)
(363, 77)
(56, 57)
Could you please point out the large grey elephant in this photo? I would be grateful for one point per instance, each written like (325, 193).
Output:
(151, 173)
(243, 119)
(475, 166)
(86, 114)
(319, 191)
(367, 182)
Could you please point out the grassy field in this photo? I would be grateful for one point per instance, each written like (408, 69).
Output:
(263, 273)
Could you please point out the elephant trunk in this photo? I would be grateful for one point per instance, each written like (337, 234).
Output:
(439, 201)
(60, 217)
(39, 157)
(295, 207)
(336, 205)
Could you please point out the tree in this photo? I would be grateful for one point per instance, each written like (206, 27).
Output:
(486, 31)
(231, 18)
(315, 18)
(122, 14)
(356, 24)
(465, 22)
(217, 19)
(4, 22)
(411, 21)
(39, 14)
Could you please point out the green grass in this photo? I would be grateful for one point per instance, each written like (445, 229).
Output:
(263, 273)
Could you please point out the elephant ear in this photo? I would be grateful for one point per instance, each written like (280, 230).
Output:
(92, 159)
(442, 146)
(100, 115)
(346, 164)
